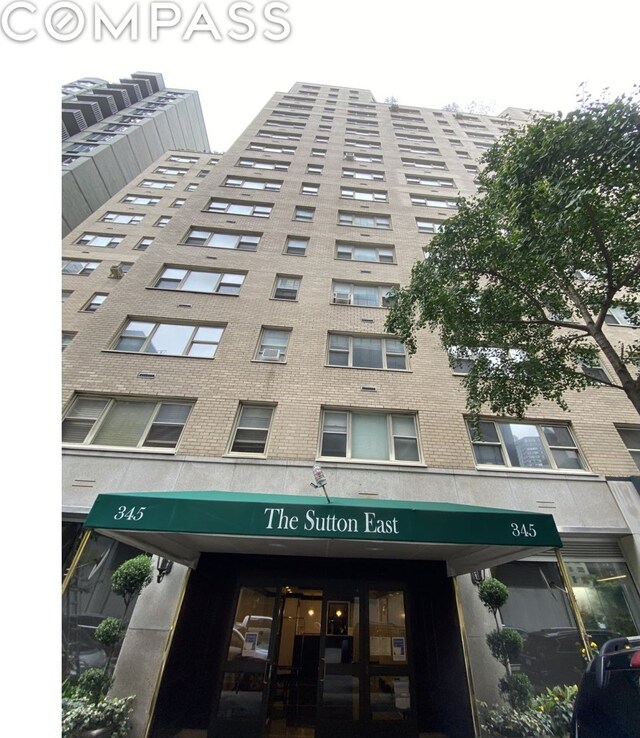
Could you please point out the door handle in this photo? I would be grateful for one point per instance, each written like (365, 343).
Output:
(268, 670)
(324, 668)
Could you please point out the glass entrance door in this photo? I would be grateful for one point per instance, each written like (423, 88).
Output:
(311, 662)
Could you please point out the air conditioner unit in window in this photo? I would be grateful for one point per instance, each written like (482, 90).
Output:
(271, 354)
(342, 298)
(116, 272)
(349, 155)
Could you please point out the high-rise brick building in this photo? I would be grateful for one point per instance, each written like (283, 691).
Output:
(224, 333)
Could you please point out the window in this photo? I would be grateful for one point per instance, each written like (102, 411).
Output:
(366, 158)
(412, 137)
(169, 339)
(184, 159)
(525, 445)
(471, 168)
(360, 132)
(362, 144)
(163, 221)
(191, 187)
(99, 240)
(429, 226)
(279, 136)
(462, 358)
(171, 171)
(140, 200)
(296, 245)
(68, 160)
(157, 184)
(273, 345)
(235, 207)
(263, 164)
(178, 202)
(424, 164)
(285, 124)
(463, 154)
(358, 252)
(619, 316)
(364, 295)
(223, 239)
(94, 303)
(411, 149)
(202, 173)
(366, 220)
(314, 169)
(115, 127)
(130, 119)
(318, 152)
(122, 218)
(80, 268)
(365, 352)
(286, 288)
(100, 421)
(433, 202)
(67, 337)
(369, 436)
(80, 148)
(429, 181)
(271, 149)
(97, 137)
(199, 280)
(322, 139)
(304, 214)
(370, 195)
(308, 188)
(595, 371)
(631, 439)
(144, 243)
(252, 429)
(66, 294)
(253, 184)
(363, 174)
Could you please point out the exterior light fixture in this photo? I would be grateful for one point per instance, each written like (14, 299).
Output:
(163, 566)
(477, 576)
(321, 480)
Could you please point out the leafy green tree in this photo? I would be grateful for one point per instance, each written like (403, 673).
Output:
(524, 278)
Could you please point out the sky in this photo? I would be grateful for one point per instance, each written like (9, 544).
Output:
(423, 52)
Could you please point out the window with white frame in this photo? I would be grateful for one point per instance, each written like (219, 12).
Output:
(424, 164)
(595, 370)
(429, 226)
(202, 173)
(285, 124)
(362, 144)
(157, 184)
(402, 136)
(361, 252)
(309, 188)
(432, 202)
(80, 148)
(116, 127)
(67, 337)
(350, 131)
(178, 202)
(253, 184)
(184, 159)
(169, 339)
(463, 358)
(361, 294)
(68, 160)
(222, 239)
(525, 445)
(140, 200)
(79, 268)
(318, 152)
(303, 214)
(363, 174)
(98, 137)
(235, 207)
(281, 166)
(130, 423)
(619, 316)
(314, 169)
(279, 136)
(199, 280)
(361, 157)
(424, 150)
(429, 181)
(351, 193)
(286, 288)
(94, 302)
(191, 187)
(273, 345)
(296, 245)
(163, 221)
(144, 243)
(369, 436)
(364, 220)
(631, 439)
(271, 149)
(122, 218)
(99, 240)
(251, 430)
(365, 352)
(171, 171)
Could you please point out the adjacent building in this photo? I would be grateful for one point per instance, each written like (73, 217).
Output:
(319, 511)
(112, 131)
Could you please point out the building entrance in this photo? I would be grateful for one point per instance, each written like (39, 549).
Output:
(311, 662)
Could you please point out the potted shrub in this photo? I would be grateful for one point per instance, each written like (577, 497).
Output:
(87, 712)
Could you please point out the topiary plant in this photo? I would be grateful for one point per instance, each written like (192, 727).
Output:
(518, 690)
(130, 578)
(493, 594)
(505, 645)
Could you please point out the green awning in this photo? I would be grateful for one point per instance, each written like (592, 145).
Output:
(181, 525)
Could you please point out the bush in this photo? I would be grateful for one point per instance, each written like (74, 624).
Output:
(81, 714)
(109, 632)
(518, 690)
(131, 577)
(557, 705)
(505, 645)
(493, 594)
(93, 684)
(505, 721)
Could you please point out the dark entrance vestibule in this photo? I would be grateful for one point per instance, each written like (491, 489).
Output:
(302, 647)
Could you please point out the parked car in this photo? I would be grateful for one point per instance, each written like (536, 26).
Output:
(554, 655)
(608, 701)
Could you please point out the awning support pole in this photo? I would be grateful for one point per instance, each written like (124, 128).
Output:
(76, 559)
(573, 604)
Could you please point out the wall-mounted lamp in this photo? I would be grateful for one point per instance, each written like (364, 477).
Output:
(321, 480)
(163, 566)
(477, 577)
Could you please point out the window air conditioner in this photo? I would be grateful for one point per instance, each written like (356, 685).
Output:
(349, 155)
(116, 272)
(342, 298)
(271, 354)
